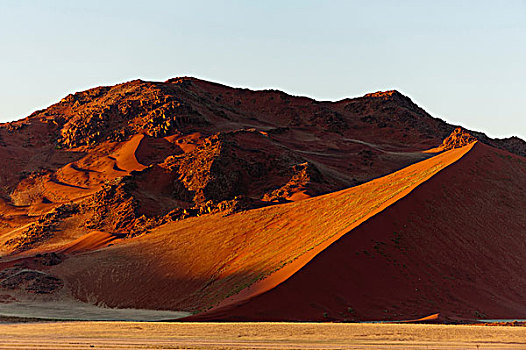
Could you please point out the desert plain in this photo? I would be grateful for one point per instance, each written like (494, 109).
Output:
(166, 335)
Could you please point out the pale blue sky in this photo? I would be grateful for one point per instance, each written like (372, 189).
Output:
(463, 61)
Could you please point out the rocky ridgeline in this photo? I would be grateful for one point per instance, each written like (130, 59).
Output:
(512, 144)
(386, 110)
(385, 94)
(118, 123)
(116, 113)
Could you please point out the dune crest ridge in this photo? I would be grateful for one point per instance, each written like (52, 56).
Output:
(440, 249)
(436, 165)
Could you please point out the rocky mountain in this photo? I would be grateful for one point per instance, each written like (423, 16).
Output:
(148, 166)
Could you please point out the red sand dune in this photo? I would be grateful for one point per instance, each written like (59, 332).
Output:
(196, 263)
(427, 319)
(455, 245)
(91, 241)
(125, 157)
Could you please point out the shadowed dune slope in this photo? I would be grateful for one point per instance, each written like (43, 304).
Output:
(196, 263)
(456, 246)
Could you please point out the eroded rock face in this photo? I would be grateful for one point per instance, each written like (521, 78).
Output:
(303, 177)
(222, 174)
(210, 172)
(113, 208)
(43, 228)
(30, 281)
(49, 259)
(458, 138)
(224, 168)
(115, 113)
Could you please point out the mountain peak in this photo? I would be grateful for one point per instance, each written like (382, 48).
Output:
(384, 94)
(390, 96)
(182, 80)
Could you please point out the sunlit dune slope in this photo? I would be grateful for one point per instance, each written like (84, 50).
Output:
(196, 263)
(91, 241)
(455, 246)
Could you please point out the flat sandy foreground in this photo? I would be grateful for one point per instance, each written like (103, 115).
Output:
(150, 335)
